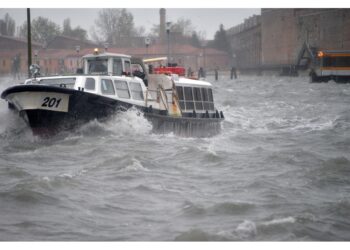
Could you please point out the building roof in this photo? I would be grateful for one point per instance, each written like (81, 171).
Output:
(20, 40)
(56, 42)
(152, 51)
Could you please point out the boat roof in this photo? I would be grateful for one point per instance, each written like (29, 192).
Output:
(336, 51)
(187, 81)
(157, 59)
(106, 54)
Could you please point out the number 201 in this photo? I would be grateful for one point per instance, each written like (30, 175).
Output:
(51, 102)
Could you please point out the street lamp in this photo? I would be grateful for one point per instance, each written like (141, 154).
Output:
(147, 43)
(168, 25)
(204, 43)
(36, 56)
(77, 49)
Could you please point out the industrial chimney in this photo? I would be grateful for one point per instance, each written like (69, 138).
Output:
(162, 34)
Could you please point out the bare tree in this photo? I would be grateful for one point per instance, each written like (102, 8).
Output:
(221, 41)
(77, 32)
(43, 30)
(112, 24)
(183, 26)
(7, 26)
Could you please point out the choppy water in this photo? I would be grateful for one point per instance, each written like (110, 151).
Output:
(278, 171)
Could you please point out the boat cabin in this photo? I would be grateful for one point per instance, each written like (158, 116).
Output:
(107, 63)
(331, 64)
(195, 95)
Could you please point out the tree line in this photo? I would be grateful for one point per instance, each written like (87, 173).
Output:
(110, 26)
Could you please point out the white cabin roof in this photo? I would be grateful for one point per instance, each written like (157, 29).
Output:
(106, 54)
(187, 81)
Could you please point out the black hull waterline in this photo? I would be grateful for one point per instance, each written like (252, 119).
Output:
(83, 107)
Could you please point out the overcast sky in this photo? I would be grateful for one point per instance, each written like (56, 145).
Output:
(207, 19)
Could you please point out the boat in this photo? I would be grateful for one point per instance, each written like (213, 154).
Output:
(330, 65)
(110, 83)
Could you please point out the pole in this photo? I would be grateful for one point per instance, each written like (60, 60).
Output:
(168, 31)
(29, 37)
(204, 57)
(168, 26)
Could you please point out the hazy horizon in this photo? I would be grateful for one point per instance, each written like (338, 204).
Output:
(203, 20)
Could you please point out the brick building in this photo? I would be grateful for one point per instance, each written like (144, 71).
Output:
(245, 42)
(61, 61)
(11, 47)
(274, 40)
(284, 31)
(65, 42)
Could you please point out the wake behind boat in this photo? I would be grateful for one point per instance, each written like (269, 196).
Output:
(110, 83)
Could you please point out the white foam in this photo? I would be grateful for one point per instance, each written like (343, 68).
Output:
(135, 166)
(129, 122)
(287, 220)
(126, 123)
(246, 229)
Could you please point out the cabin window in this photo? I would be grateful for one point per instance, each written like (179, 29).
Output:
(136, 91)
(211, 99)
(122, 89)
(198, 98)
(136, 67)
(210, 95)
(60, 82)
(205, 94)
(117, 67)
(98, 66)
(188, 97)
(336, 61)
(205, 99)
(90, 83)
(180, 94)
(127, 66)
(107, 87)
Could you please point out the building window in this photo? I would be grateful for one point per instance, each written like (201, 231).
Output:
(107, 87)
(136, 91)
(122, 89)
(90, 83)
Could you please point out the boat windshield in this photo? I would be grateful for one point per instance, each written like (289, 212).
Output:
(60, 82)
(98, 66)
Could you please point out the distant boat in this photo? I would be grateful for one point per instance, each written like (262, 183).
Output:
(109, 83)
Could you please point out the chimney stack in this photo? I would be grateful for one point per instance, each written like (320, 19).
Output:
(162, 33)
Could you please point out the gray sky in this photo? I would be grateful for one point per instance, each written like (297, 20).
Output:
(204, 19)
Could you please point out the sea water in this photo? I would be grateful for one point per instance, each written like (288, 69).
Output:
(278, 171)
